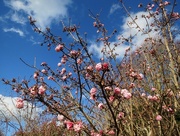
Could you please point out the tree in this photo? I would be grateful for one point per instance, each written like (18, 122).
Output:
(137, 95)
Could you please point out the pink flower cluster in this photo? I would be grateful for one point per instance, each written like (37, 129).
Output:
(102, 66)
(154, 98)
(19, 103)
(101, 133)
(175, 15)
(76, 126)
(124, 92)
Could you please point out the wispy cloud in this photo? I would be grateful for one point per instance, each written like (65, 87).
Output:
(10, 112)
(44, 11)
(18, 18)
(15, 30)
(113, 8)
(127, 30)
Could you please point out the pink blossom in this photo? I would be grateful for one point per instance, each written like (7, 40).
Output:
(121, 115)
(117, 90)
(105, 66)
(33, 90)
(132, 85)
(95, 134)
(50, 78)
(108, 88)
(158, 117)
(69, 124)
(59, 64)
(175, 15)
(153, 89)
(19, 103)
(63, 61)
(69, 74)
(111, 132)
(44, 71)
(79, 61)
(160, 5)
(143, 94)
(42, 90)
(94, 24)
(60, 117)
(63, 71)
(73, 53)
(90, 68)
(98, 67)
(78, 126)
(123, 91)
(100, 105)
(127, 95)
(59, 48)
(64, 77)
(133, 74)
(93, 91)
(140, 76)
(153, 98)
(43, 64)
(150, 97)
(36, 74)
(111, 98)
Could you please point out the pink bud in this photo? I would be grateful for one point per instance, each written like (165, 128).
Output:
(73, 53)
(42, 90)
(100, 106)
(69, 124)
(158, 117)
(111, 98)
(105, 66)
(98, 67)
(59, 48)
(90, 68)
(19, 103)
(59, 64)
(153, 89)
(44, 71)
(117, 90)
(111, 132)
(121, 115)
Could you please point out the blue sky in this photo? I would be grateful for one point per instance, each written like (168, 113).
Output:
(19, 41)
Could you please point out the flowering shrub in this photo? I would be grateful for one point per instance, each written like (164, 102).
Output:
(136, 95)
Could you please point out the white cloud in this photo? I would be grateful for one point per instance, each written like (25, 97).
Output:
(96, 49)
(10, 112)
(44, 11)
(137, 36)
(18, 18)
(114, 7)
(21, 33)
